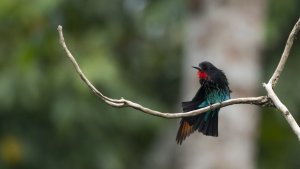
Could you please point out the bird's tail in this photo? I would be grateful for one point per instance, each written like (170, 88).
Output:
(184, 130)
(207, 123)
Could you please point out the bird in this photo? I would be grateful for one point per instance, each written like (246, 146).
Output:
(214, 88)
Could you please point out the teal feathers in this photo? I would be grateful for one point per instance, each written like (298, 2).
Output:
(214, 89)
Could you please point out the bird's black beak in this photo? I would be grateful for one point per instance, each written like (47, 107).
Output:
(198, 68)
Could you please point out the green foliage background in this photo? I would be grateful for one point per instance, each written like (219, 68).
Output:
(129, 48)
(48, 118)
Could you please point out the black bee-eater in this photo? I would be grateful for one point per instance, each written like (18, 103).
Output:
(214, 89)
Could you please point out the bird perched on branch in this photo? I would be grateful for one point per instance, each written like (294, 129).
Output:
(214, 89)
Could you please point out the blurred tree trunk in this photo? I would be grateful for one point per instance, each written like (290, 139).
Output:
(227, 33)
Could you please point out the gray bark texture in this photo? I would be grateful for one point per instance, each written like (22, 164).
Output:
(229, 34)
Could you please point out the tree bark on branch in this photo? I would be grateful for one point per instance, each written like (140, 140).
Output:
(270, 100)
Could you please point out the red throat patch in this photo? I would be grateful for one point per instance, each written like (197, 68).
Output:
(202, 75)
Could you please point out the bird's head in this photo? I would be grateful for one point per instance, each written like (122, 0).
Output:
(204, 70)
(208, 72)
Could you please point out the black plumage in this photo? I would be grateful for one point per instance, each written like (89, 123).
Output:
(214, 88)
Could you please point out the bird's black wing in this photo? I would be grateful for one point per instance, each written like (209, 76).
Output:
(190, 124)
(196, 101)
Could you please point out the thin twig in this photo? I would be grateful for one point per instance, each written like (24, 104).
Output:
(108, 100)
(261, 100)
(274, 79)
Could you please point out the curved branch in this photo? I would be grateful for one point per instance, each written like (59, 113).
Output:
(282, 108)
(262, 100)
(112, 102)
(275, 77)
(269, 100)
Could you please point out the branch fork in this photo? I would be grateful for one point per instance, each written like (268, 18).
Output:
(270, 100)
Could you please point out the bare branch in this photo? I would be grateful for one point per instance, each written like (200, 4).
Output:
(281, 107)
(269, 100)
(108, 100)
(274, 79)
(262, 100)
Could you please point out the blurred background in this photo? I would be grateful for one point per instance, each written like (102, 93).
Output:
(141, 50)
